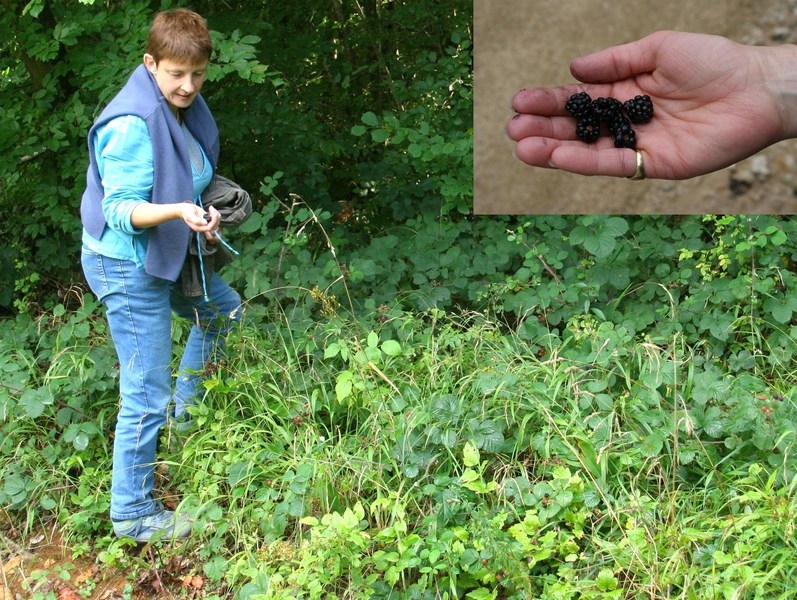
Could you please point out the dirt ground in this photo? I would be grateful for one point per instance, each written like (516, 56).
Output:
(521, 43)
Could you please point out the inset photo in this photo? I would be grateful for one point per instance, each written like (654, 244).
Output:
(585, 107)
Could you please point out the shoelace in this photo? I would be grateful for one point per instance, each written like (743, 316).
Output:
(158, 520)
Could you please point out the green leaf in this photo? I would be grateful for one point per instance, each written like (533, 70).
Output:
(18, 488)
(47, 503)
(215, 568)
(213, 512)
(446, 409)
(616, 226)
(448, 438)
(712, 422)
(34, 8)
(344, 385)
(685, 457)
(379, 135)
(564, 498)
(599, 238)
(332, 350)
(470, 455)
(591, 498)
(709, 385)
(606, 581)
(482, 594)
(780, 309)
(777, 236)
(589, 457)
(722, 559)
(35, 401)
(81, 441)
(238, 472)
(358, 130)
(250, 40)
(391, 348)
(487, 434)
(652, 444)
(373, 339)
(370, 119)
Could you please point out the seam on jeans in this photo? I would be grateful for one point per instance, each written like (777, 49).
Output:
(137, 353)
(136, 356)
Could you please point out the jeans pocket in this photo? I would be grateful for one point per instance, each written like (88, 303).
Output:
(94, 270)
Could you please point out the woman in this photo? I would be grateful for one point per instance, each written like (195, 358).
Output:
(152, 152)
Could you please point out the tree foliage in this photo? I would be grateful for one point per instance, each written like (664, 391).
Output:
(291, 90)
(351, 124)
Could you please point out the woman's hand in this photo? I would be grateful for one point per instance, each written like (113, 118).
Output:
(715, 103)
(195, 217)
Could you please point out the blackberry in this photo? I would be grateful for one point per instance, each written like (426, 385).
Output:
(639, 109)
(606, 109)
(621, 131)
(578, 104)
(588, 129)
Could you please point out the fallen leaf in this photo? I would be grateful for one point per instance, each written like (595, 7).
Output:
(193, 581)
(11, 564)
(87, 574)
(67, 593)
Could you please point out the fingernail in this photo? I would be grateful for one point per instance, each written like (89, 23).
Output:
(514, 154)
(551, 165)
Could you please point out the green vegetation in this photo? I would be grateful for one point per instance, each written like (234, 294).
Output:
(430, 454)
(419, 403)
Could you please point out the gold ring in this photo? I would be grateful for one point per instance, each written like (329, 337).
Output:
(639, 174)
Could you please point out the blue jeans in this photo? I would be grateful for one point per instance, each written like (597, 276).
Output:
(139, 313)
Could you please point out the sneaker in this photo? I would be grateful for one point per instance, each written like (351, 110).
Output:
(165, 524)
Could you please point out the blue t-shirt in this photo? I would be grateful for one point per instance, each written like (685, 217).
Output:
(123, 151)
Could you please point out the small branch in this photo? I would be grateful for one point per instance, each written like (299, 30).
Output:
(34, 156)
(15, 547)
(548, 269)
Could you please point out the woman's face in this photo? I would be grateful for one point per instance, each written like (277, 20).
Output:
(178, 82)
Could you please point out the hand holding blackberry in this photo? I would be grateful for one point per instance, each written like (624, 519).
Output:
(709, 113)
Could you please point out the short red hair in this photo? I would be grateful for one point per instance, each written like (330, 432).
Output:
(180, 35)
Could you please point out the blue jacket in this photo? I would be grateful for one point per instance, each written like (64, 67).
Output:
(172, 181)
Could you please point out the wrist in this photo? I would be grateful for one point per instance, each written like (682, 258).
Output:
(147, 214)
(779, 77)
